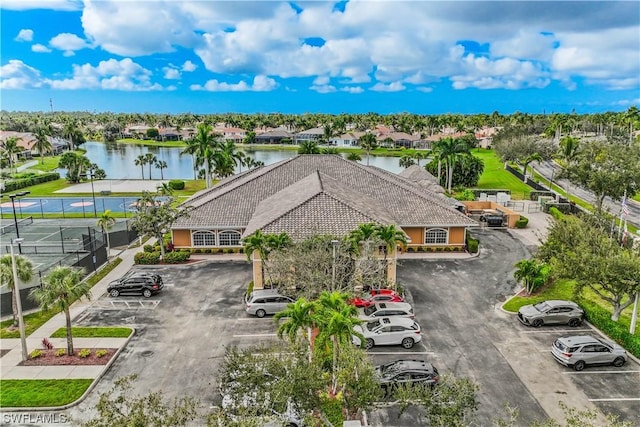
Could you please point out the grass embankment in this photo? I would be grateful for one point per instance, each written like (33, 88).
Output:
(40, 393)
(33, 321)
(495, 176)
(93, 332)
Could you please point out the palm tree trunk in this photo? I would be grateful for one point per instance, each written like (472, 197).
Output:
(334, 370)
(108, 245)
(67, 316)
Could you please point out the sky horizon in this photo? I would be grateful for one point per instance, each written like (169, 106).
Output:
(358, 56)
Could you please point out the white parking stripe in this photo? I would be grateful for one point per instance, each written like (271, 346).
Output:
(602, 372)
(554, 331)
(371, 353)
(616, 399)
(254, 335)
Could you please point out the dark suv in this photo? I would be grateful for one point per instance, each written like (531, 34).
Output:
(136, 283)
(407, 372)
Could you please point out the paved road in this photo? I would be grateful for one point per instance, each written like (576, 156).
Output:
(550, 169)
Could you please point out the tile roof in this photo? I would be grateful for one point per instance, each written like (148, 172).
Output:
(313, 191)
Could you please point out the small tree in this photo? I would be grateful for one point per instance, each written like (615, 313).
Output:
(24, 269)
(105, 222)
(532, 274)
(141, 160)
(368, 142)
(61, 288)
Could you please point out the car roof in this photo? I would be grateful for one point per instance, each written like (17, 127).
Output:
(393, 305)
(559, 302)
(412, 364)
(395, 320)
(265, 292)
(574, 340)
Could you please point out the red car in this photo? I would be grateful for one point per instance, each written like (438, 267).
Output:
(376, 295)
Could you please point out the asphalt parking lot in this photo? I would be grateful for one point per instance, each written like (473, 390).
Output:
(182, 334)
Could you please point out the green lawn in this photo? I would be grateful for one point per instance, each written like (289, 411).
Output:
(95, 332)
(495, 176)
(38, 393)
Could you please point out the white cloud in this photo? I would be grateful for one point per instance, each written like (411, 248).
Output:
(25, 35)
(68, 42)
(323, 88)
(425, 89)
(260, 84)
(171, 73)
(18, 75)
(124, 75)
(352, 89)
(391, 87)
(66, 5)
(40, 48)
(189, 66)
(506, 73)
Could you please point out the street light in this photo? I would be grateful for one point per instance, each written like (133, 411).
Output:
(15, 217)
(334, 244)
(91, 175)
(16, 292)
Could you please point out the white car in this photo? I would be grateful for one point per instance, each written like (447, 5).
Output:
(385, 309)
(389, 331)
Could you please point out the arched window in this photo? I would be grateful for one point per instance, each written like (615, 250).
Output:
(203, 238)
(229, 238)
(436, 236)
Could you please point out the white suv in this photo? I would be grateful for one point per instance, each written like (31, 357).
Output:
(389, 331)
(385, 309)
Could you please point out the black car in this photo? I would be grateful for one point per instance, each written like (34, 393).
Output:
(136, 283)
(408, 372)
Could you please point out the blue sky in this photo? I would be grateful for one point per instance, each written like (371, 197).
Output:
(321, 57)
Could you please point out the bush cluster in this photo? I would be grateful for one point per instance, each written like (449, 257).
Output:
(522, 222)
(147, 258)
(177, 257)
(85, 352)
(536, 194)
(176, 184)
(26, 181)
(101, 353)
(60, 352)
(555, 212)
(601, 319)
(36, 353)
(472, 245)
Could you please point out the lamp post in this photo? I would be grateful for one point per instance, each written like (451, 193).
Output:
(15, 217)
(16, 291)
(91, 175)
(334, 244)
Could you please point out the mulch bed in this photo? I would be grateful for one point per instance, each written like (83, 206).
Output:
(49, 358)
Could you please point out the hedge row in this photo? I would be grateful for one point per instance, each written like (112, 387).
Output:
(149, 258)
(601, 319)
(435, 249)
(16, 184)
(522, 222)
(176, 184)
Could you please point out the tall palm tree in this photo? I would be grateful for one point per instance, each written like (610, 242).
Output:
(632, 115)
(150, 159)
(535, 157)
(447, 150)
(24, 269)
(368, 143)
(161, 164)
(42, 143)
(390, 235)
(202, 146)
(257, 242)
(569, 147)
(300, 316)
(60, 289)
(363, 233)
(105, 222)
(141, 160)
(10, 149)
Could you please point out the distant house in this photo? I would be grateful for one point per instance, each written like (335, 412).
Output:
(27, 140)
(318, 194)
(397, 139)
(349, 139)
(275, 136)
(235, 135)
(309, 135)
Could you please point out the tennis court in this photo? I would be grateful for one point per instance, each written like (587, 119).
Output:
(27, 206)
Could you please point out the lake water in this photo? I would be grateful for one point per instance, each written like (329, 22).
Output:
(118, 160)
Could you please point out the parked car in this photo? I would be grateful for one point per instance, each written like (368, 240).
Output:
(136, 283)
(582, 350)
(406, 372)
(551, 312)
(385, 309)
(389, 331)
(261, 302)
(374, 296)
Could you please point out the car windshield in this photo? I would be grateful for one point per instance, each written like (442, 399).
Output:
(372, 325)
(392, 368)
(542, 306)
(370, 310)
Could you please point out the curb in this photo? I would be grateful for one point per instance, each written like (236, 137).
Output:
(86, 392)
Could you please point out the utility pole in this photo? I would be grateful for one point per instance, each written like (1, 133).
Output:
(51, 104)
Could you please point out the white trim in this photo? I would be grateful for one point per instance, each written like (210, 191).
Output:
(427, 230)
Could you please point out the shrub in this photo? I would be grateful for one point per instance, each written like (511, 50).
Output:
(46, 344)
(36, 353)
(147, 258)
(250, 288)
(176, 184)
(30, 179)
(60, 352)
(601, 319)
(410, 249)
(148, 248)
(472, 245)
(522, 222)
(85, 352)
(176, 257)
(101, 353)
(555, 212)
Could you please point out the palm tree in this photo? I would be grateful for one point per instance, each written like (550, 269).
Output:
(164, 189)
(150, 159)
(390, 235)
(141, 160)
(447, 150)
(161, 164)
(105, 222)
(354, 156)
(632, 115)
(202, 147)
(300, 316)
(309, 147)
(368, 142)
(60, 289)
(363, 233)
(531, 273)
(257, 242)
(42, 143)
(535, 157)
(24, 269)
(10, 149)
(568, 153)
(406, 161)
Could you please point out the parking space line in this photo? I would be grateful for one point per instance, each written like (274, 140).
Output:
(616, 399)
(601, 372)
(254, 335)
(399, 352)
(555, 331)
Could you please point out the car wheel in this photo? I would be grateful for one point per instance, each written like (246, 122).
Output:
(579, 365)
(146, 293)
(368, 343)
(407, 342)
(574, 322)
(260, 313)
(619, 361)
(537, 323)
(114, 292)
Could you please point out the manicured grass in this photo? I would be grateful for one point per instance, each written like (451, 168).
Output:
(637, 197)
(33, 321)
(46, 164)
(95, 332)
(46, 188)
(495, 176)
(38, 393)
